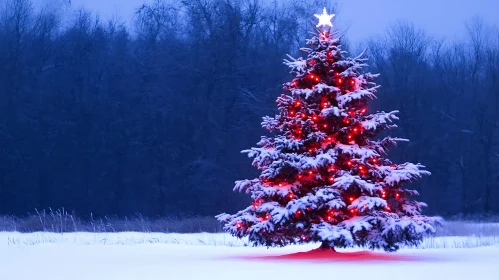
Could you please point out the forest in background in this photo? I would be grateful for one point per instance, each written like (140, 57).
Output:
(100, 118)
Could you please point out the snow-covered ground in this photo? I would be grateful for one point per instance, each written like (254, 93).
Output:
(123, 256)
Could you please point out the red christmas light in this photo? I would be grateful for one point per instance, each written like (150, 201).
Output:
(291, 113)
(300, 176)
(297, 103)
(303, 237)
(325, 104)
(363, 110)
(355, 130)
(383, 194)
(291, 195)
(329, 138)
(340, 81)
(374, 160)
(298, 213)
(239, 225)
(257, 203)
(267, 217)
(387, 208)
(351, 113)
(349, 163)
(351, 199)
(314, 118)
(324, 125)
(294, 83)
(303, 115)
(310, 172)
(397, 195)
(346, 120)
(352, 82)
(331, 179)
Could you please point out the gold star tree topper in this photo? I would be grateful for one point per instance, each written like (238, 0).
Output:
(324, 19)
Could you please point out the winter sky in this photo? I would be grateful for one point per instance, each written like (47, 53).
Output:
(364, 18)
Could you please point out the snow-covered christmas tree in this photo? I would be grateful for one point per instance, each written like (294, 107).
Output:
(324, 175)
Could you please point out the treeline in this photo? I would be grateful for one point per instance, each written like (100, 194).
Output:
(106, 119)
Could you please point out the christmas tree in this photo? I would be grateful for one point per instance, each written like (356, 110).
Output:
(324, 176)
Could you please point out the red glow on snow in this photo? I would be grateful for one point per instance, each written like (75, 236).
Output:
(320, 255)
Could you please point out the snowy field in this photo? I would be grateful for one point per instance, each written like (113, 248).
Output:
(130, 255)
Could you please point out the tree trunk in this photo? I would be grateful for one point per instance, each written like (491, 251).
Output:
(326, 246)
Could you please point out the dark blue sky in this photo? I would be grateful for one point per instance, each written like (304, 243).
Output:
(363, 17)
